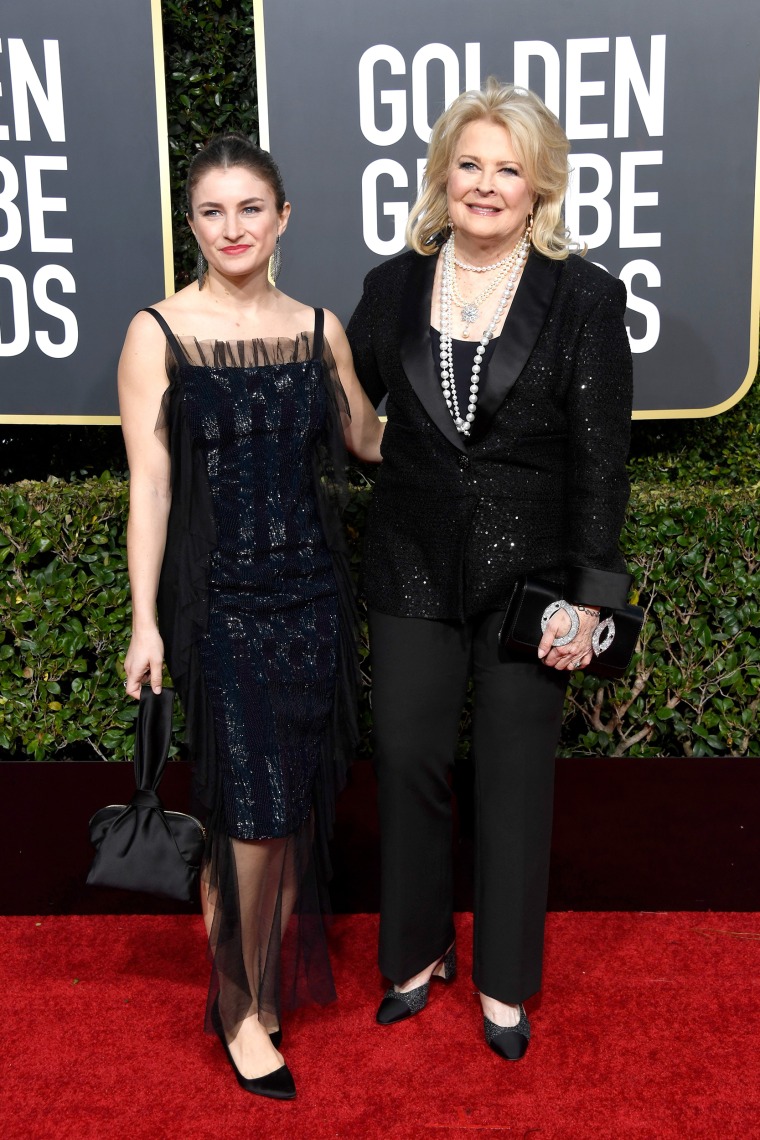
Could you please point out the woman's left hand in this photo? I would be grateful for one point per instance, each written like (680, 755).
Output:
(578, 652)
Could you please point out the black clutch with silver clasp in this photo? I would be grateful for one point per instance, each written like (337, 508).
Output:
(614, 639)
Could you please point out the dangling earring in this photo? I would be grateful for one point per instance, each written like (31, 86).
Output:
(201, 268)
(529, 227)
(449, 224)
(275, 261)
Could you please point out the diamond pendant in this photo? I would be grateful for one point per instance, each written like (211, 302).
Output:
(469, 314)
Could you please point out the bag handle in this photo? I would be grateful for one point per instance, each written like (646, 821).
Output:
(152, 736)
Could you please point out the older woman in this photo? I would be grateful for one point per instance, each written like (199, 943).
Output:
(508, 373)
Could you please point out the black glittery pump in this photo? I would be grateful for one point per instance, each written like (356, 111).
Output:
(510, 1043)
(397, 1006)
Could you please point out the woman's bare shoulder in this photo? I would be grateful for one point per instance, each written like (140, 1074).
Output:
(144, 325)
(185, 301)
(334, 331)
(293, 313)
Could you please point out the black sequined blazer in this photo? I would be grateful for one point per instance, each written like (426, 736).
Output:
(541, 484)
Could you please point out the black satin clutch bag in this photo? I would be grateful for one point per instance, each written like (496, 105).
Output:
(140, 846)
(614, 638)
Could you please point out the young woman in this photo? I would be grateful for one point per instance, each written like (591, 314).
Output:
(236, 400)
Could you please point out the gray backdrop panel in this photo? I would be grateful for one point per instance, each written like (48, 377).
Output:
(705, 182)
(112, 193)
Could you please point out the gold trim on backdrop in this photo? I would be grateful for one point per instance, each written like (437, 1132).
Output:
(60, 420)
(754, 318)
(261, 73)
(163, 145)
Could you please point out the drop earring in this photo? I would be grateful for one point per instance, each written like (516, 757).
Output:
(529, 227)
(275, 261)
(201, 268)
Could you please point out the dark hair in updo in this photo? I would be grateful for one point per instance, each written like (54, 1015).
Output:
(234, 149)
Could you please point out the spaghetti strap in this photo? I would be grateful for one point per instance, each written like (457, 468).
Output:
(179, 353)
(319, 328)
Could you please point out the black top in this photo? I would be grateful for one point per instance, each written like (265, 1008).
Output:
(542, 484)
(463, 358)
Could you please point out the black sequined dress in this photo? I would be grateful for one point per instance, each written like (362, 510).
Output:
(255, 609)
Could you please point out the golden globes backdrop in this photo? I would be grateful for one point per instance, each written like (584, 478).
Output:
(659, 99)
(84, 205)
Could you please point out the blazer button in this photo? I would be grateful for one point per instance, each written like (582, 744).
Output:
(464, 462)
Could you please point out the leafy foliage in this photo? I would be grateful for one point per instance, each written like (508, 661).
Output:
(694, 688)
(720, 451)
(65, 617)
(210, 87)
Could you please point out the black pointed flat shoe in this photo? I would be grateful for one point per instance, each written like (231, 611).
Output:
(279, 1085)
(510, 1043)
(397, 1006)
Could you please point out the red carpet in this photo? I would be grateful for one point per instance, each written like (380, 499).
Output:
(647, 1028)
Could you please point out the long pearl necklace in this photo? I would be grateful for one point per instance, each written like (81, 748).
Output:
(464, 423)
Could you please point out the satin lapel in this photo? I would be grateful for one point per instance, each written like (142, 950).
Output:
(416, 352)
(521, 330)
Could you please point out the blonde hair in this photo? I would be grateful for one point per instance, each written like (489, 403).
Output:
(541, 145)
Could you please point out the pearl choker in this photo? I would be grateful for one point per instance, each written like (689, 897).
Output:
(483, 268)
(464, 423)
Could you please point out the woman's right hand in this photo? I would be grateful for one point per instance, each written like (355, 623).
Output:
(144, 662)
(575, 654)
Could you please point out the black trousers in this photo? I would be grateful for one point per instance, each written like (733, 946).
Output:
(420, 670)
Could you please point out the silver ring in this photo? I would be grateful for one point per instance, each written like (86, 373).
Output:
(125, 684)
(576, 664)
(549, 613)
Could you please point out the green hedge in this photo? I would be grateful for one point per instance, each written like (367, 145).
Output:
(694, 688)
(210, 66)
(65, 617)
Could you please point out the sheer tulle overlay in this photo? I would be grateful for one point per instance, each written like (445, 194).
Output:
(256, 610)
